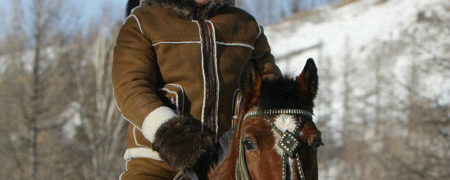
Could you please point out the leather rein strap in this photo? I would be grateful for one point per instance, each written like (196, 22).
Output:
(289, 143)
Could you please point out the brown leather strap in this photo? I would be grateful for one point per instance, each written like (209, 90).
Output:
(237, 98)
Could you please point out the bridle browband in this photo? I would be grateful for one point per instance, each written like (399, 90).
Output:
(289, 142)
(277, 111)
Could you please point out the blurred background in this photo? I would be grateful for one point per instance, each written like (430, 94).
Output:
(383, 105)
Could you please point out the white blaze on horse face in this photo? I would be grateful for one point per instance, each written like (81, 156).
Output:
(284, 123)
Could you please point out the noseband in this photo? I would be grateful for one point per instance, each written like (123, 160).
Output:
(289, 142)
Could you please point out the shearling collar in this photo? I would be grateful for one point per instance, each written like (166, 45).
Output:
(188, 8)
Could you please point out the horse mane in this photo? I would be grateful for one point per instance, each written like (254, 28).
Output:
(283, 93)
(225, 143)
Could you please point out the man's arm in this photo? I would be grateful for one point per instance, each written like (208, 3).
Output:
(134, 79)
(264, 58)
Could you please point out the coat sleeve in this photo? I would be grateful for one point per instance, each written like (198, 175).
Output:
(134, 76)
(264, 58)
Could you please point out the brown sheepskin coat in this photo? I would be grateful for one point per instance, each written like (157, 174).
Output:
(192, 54)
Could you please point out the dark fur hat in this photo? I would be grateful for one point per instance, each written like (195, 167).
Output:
(188, 8)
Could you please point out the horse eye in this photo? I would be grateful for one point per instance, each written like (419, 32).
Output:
(249, 145)
(316, 145)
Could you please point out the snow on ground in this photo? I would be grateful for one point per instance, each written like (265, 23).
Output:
(355, 25)
(354, 32)
(362, 36)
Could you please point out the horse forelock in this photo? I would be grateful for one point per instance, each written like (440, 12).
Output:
(284, 93)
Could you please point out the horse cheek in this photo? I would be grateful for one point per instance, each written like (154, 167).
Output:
(270, 167)
(310, 159)
(253, 163)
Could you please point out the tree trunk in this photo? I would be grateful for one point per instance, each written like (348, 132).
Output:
(35, 97)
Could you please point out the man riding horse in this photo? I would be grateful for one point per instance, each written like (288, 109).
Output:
(176, 70)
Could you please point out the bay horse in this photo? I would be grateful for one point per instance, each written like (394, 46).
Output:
(274, 136)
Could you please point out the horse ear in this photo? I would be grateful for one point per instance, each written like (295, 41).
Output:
(308, 79)
(250, 83)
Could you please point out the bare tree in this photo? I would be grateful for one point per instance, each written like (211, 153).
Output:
(102, 128)
(33, 83)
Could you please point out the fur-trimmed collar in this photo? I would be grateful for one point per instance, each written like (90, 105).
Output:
(188, 8)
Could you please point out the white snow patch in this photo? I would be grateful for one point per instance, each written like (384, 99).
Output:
(74, 119)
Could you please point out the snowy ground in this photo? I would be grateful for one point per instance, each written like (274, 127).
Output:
(356, 25)
(353, 32)
(363, 36)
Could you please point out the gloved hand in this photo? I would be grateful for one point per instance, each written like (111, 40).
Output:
(181, 143)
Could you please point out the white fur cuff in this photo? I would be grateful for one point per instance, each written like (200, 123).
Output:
(141, 152)
(154, 120)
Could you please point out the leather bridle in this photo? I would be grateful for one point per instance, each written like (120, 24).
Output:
(289, 142)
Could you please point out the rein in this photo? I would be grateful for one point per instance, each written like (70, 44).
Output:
(289, 143)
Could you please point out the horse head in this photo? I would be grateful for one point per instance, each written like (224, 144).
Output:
(275, 137)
